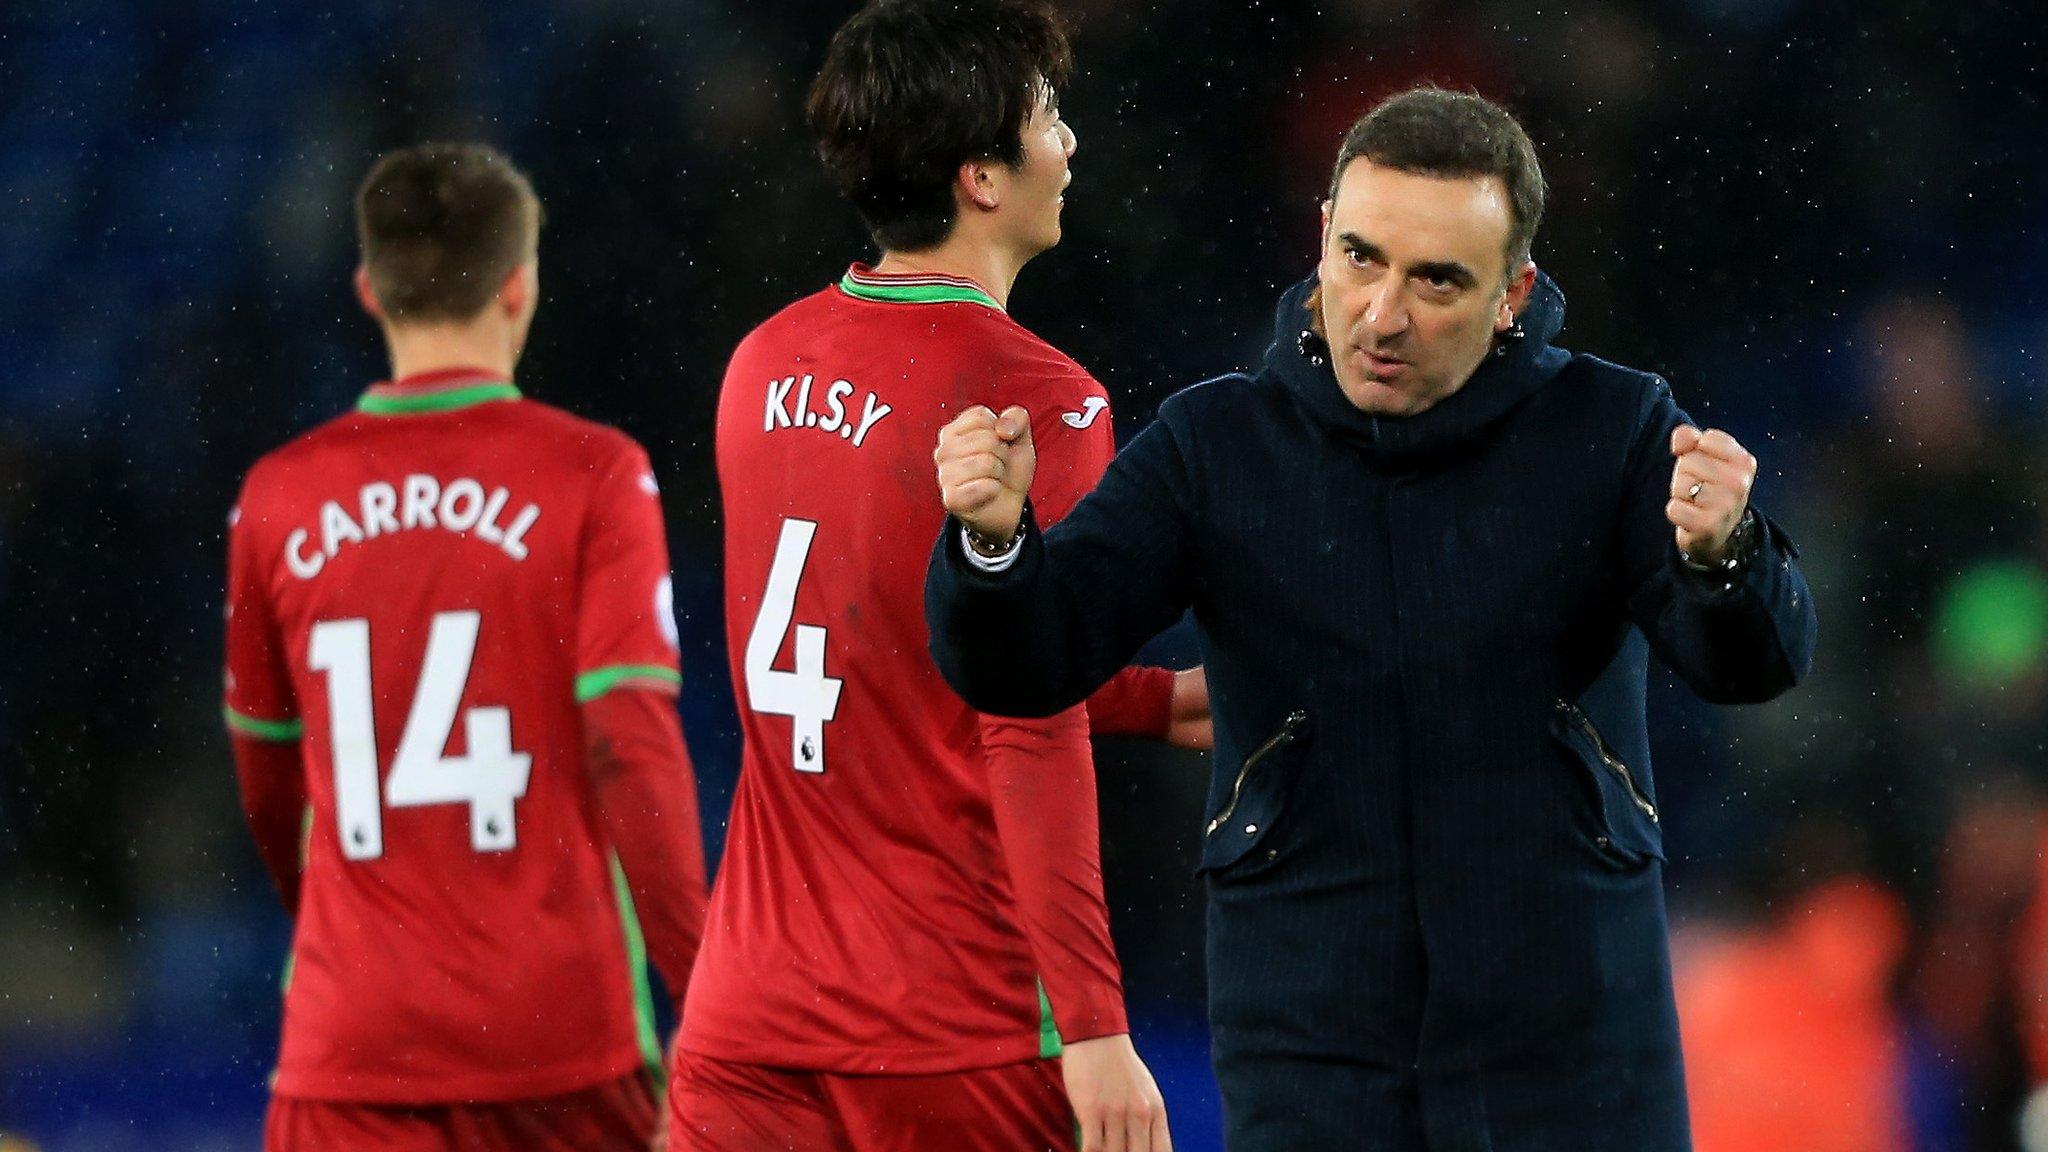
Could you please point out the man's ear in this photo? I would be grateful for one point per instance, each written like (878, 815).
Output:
(977, 183)
(1326, 224)
(1517, 296)
(367, 296)
(517, 291)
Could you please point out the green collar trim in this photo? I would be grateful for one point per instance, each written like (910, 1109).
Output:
(388, 404)
(921, 291)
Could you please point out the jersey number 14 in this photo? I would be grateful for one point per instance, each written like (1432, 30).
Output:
(807, 696)
(489, 776)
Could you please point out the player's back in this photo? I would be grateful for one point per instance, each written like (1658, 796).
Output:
(423, 564)
(863, 918)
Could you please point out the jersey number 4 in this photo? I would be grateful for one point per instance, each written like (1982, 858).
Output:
(807, 696)
(489, 776)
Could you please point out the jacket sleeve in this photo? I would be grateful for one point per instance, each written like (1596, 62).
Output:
(1737, 641)
(1080, 599)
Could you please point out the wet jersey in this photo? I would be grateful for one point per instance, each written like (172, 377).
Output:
(421, 592)
(867, 915)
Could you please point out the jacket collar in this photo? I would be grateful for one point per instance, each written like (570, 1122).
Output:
(1522, 361)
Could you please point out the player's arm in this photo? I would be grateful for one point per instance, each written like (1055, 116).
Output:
(1042, 787)
(647, 795)
(1042, 791)
(1158, 703)
(273, 784)
(262, 716)
(639, 767)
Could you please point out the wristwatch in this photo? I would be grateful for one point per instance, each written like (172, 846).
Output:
(991, 548)
(1741, 546)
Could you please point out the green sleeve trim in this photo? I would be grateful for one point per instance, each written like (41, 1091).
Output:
(1049, 1043)
(636, 968)
(282, 731)
(598, 681)
(381, 404)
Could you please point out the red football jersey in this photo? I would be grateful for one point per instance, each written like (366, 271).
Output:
(865, 917)
(421, 592)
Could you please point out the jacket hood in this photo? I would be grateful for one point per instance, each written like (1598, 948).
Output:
(1522, 361)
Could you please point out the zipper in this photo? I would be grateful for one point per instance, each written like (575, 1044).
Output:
(1288, 730)
(1607, 757)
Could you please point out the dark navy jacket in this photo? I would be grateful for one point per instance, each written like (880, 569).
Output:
(1433, 847)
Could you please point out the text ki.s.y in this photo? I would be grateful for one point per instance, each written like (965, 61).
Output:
(789, 402)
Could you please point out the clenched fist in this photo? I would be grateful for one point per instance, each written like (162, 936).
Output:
(1709, 490)
(985, 464)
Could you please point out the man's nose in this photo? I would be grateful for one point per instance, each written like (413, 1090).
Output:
(1386, 313)
(1072, 142)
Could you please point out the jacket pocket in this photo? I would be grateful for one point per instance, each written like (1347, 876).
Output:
(1241, 828)
(1627, 826)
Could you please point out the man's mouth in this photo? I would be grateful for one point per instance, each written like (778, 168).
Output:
(1380, 364)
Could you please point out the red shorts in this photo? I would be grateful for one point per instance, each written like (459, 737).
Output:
(715, 1106)
(620, 1114)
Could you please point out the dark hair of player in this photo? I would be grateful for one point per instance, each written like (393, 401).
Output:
(912, 89)
(1453, 135)
(441, 226)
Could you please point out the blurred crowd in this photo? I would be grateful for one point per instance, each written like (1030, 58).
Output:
(1823, 221)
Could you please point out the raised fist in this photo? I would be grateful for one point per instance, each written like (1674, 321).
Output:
(985, 464)
(1710, 485)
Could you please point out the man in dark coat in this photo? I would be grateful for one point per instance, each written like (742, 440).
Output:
(1428, 554)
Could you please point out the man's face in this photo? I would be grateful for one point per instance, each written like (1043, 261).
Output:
(1414, 283)
(1036, 187)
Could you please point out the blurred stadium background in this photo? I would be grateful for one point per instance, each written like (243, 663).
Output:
(1824, 220)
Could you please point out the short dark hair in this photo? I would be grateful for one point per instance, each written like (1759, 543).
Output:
(912, 89)
(441, 226)
(1452, 135)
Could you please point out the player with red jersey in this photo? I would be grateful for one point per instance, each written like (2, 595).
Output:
(908, 926)
(451, 664)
